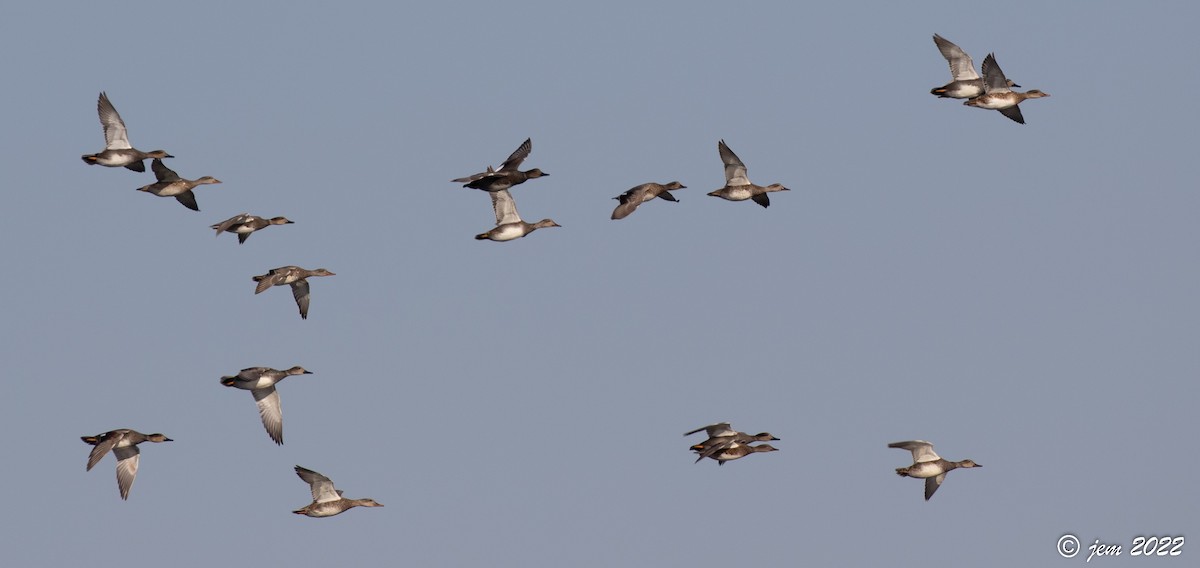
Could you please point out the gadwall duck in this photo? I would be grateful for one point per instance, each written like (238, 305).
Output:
(245, 224)
(508, 175)
(997, 95)
(736, 450)
(927, 464)
(509, 225)
(737, 186)
(296, 277)
(722, 436)
(641, 194)
(124, 445)
(260, 381)
(117, 151)
(171, 185)
(967, 83)
(327, 501)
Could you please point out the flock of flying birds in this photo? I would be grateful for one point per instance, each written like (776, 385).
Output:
(989, 91)
(260, 381)
(726, 444)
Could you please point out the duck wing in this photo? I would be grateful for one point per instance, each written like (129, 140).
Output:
(932, 484)
(922, 451)
(322, 487)
(127, 467)
(961, 66)
(629, 202)
(505, 207)
(715, 446)
(231, 223)
(270, 411)
(514, 160)
(735, 170)
(115, 136)
(717, 430)
(300, 292)
(266, 281)
(188, 199)
(476, 177)
(103, 444)
(994, 80)
(162, 172)
(1013, 112)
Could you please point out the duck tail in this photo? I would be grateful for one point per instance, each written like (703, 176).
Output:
(902, 471)
(481, 236)
(940, 92)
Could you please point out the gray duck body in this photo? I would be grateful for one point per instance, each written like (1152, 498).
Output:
(928, 465)
(293, 276)
(965, 83)
(997, 96)
(123, 442)
(737, 185)
(327, 500)
(722, 436)
(245, 224)
(509, 224)
(261, 381)
(508, 175)
(633, 197)
(169, 184)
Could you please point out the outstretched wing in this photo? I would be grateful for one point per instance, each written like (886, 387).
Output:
(300, 292)
(115, 136)
(270, 411)
(127, 467)
(103, 445)
(922, 451)
(994, 80)
(162, 172)
(514, 160)
(322, 487)
(1013, 112)
(735, 170)
(505, 207)
(961, 66)
(231, 222)
(188, 199)
(932, 484)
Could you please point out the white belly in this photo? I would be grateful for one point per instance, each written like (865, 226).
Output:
(171, 190)
(738, 194)
(925, 470)
(508, 232)
(992, 103)
(115, 160)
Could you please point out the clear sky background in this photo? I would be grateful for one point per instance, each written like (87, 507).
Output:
(1024, 296)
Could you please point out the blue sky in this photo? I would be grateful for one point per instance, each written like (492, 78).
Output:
(1024, 296)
